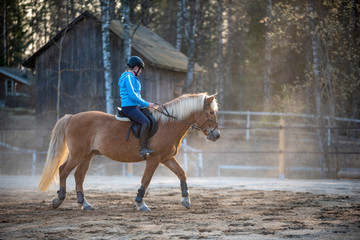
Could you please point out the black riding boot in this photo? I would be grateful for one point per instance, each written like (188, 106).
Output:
(144, 136)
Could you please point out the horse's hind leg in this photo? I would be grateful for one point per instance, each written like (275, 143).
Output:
(79, 180)
(175, 167)
(64, 172)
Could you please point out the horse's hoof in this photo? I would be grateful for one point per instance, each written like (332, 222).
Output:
(142, 207)
(186, 202)
(57, 203)
(86, 206)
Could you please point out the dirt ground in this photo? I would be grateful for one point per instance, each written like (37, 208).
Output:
(216, 213)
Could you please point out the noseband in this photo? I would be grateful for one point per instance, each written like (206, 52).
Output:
(164, 111)
(209, 121)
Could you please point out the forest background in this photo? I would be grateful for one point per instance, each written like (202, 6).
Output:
(260, 55)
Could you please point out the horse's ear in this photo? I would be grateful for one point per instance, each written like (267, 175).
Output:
(209, 99)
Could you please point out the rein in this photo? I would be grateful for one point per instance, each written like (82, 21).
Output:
(192, 125)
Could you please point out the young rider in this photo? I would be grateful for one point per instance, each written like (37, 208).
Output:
(131, 100)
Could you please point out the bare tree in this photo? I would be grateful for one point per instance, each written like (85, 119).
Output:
(318, 89)
(267, 72)
(179, 23)
(190, 27)
(126, 24)
(105, 31)
(220, 55)
(58, 90)
(72, 9)
(145, 5)
(112, 7)
(229, 53)
(5, 34)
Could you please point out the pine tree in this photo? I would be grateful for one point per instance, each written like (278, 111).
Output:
(14, 38)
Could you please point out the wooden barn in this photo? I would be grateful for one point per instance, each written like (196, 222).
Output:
(80, 67)
(15, 87)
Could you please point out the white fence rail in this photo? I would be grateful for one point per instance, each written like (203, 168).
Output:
(248, 115)
(280, 127)
(194, 157)
(17, 150)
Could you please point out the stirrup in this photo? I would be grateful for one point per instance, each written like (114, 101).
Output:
(145, 152)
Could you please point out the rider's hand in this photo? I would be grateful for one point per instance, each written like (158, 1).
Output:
(151, 105)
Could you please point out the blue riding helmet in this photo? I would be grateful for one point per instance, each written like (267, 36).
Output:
(136, 61)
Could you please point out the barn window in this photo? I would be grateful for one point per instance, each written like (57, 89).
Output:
(9, 87)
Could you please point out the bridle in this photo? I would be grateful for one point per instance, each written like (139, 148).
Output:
(164, 111)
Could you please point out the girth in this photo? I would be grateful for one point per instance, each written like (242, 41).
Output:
(136, 127)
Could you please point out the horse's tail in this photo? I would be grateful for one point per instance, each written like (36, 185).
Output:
(57, 153)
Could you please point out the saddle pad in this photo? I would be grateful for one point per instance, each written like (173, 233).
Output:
(122, 119)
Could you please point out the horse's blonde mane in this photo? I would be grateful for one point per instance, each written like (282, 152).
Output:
(184, 106)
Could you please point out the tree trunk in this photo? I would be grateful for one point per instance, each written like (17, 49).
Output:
(190, 27)
(112, 8)
(308, 88)
(5, 33)
(132, 5)
(267, 72)
(331, 163)
(179, 25)
(220, 56)
(58, 99)
(105, 31)
(145, 12)
(72, 10)
(126, 24)
(229, 55)
(317, 75)
(354, 68)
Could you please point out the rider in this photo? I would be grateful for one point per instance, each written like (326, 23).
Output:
(131, 100)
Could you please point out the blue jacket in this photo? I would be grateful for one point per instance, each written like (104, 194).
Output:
(130, 88)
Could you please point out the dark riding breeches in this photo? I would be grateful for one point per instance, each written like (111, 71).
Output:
(136, 115)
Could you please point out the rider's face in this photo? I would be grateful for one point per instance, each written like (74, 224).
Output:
(136, 68)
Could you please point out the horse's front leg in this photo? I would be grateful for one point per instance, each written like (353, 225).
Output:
(151, 165)
(175, 167)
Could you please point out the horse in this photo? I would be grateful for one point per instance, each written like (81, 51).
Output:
(75, 139)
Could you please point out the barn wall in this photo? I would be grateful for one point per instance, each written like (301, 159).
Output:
(81, 73)
(46, 82)
(161, 85)
(83, 79)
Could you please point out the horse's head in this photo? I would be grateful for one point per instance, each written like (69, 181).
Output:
(207, 121)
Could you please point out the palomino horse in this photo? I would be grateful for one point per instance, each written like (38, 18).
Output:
(75, 139)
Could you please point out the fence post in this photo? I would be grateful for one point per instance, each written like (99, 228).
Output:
(248, 126)
(130, 169)
(124, 169)
(33, 163)
(185, 161)
(329, 133)
(201, 165)
(185, 155)
(282, 149)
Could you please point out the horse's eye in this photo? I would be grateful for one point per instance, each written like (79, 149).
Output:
(212, 112)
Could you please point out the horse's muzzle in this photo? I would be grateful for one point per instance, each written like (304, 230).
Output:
(213, 135)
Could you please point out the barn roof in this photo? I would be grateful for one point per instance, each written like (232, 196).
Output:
(155, 50)
(17, 74)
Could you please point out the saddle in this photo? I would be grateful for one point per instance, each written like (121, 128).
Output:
(134, 126)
